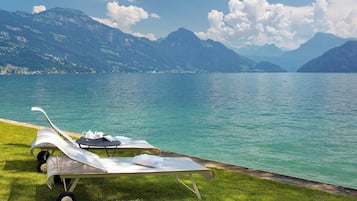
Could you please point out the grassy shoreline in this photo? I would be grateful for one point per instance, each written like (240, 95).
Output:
(20, 181)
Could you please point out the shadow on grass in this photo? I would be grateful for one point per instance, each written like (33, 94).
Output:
(21, 165)
(19, 145)
(122, 188)
(148, 187)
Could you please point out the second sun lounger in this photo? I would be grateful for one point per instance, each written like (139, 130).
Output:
(78, 163)
(132, 145)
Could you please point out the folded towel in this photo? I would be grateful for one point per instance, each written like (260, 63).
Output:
(90, 135)
(148, 160)
(97, 135)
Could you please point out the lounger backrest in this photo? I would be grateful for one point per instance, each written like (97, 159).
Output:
(38, 109)
(75, 153)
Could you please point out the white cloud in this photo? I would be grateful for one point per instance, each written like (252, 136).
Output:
(38, 9)
(124, 17)
(106, 21)
(341, 17)
(259, 22)
(149, 36)
(154, 15)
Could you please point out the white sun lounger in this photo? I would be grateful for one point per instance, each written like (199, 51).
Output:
(132, 145)
(78, 163)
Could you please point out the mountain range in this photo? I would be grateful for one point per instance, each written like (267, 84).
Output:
(62, 40)
(338, 59)
(294, 59)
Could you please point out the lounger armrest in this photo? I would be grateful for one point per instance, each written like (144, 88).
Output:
(38, 109)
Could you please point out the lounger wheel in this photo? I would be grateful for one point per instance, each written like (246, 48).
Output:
(42, 155)
(66, 196)
(42, 166)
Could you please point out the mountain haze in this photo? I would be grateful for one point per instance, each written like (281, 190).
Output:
(63, 40)
(260, 53)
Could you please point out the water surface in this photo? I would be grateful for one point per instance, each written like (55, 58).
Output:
(302, 125)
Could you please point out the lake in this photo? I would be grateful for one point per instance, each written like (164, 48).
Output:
(297, 124)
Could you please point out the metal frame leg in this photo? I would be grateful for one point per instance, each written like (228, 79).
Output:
(72, 186)
(193, 189)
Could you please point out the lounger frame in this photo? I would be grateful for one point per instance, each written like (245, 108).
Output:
(90, 172)
(77, 163)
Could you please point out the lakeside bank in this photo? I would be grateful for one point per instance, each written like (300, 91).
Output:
(257, 173)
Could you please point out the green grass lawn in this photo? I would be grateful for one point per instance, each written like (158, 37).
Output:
(20, 181)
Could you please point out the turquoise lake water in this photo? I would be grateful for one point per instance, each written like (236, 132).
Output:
(297, 124)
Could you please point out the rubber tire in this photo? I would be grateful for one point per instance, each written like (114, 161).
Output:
(42, 166)
(42, 155)
(66, 196)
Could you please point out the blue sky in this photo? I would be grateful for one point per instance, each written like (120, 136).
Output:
(285, 23)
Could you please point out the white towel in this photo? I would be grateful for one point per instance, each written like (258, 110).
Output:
(90, 135)
(148, 160)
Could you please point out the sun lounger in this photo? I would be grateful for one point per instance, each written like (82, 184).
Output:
(78, 163)
(132, 145)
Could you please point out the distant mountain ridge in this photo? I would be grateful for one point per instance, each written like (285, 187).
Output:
(192, 52)
(63, 40)
(316, 46)
(294, 59)
(339, 59)
(68, 41)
